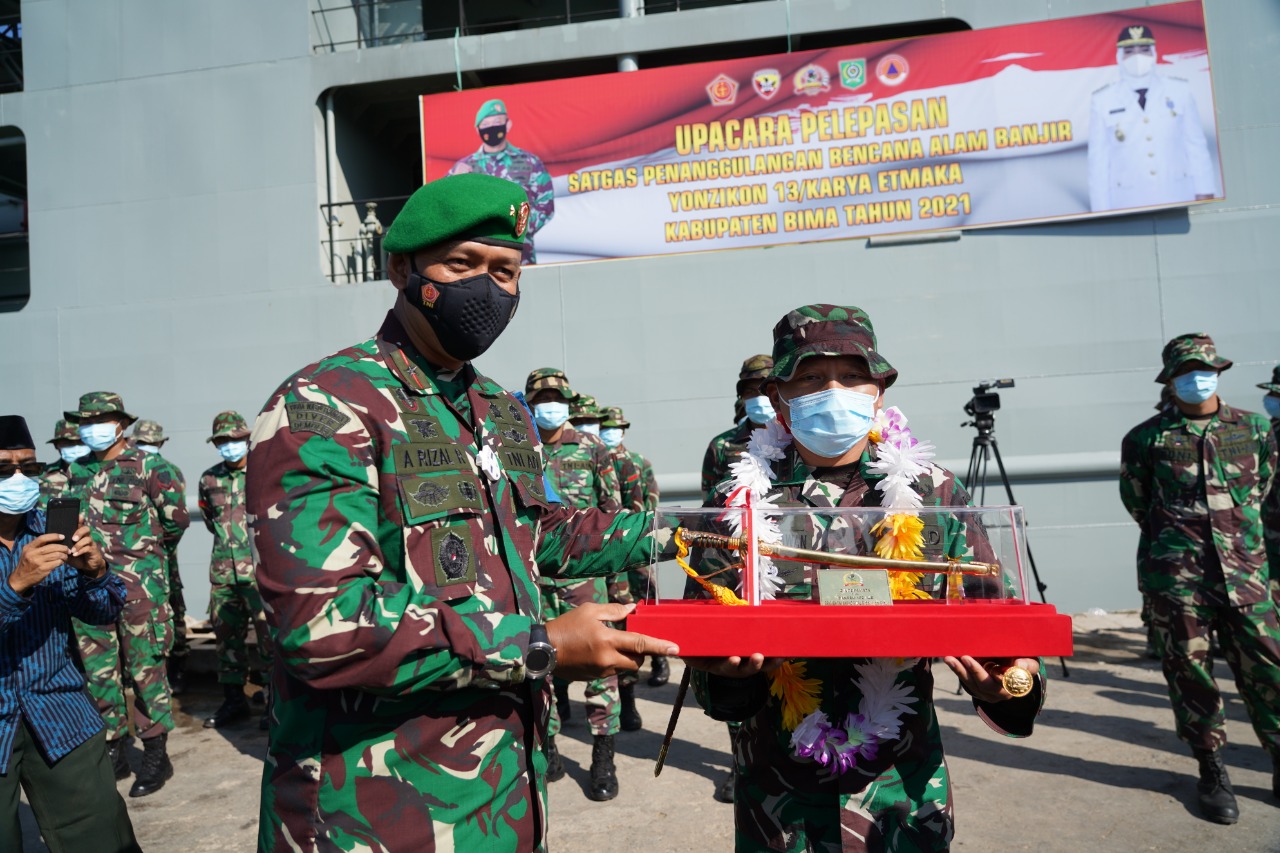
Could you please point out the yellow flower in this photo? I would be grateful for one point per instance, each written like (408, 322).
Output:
(901, 537)
(799, 695)
(902, 585)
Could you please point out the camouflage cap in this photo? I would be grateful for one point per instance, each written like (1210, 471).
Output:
(826, 330)
(149, 432)
(1195, 346)
(1274, 385)
(753, 370)
(229, 425)
(584, 408)
(64, 430)
(471, 206)
(614, 418)
(99, 403)
(548, 377)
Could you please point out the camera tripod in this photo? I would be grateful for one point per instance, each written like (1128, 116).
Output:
(986, 448)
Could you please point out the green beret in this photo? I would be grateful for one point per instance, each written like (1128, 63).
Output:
(493, 107)
(471, 206)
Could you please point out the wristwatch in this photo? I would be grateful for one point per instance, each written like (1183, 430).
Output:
(540, 660)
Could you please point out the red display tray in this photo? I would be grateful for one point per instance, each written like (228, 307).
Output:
(905, 629)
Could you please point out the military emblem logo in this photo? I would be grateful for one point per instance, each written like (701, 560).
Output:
(766, 82)
(522, 218)
(853, 73)
(811, 80)
(722, 91)
(515, 436)
(468, 492)
(425, 428)
(431, 494)
(430, 295)
(453, 556)
(1135, 33)
(892, 70)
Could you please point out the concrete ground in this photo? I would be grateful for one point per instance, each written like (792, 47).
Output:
(1103, 772)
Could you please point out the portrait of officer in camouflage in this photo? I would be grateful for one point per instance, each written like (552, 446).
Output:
(581, 472)
(148, 436)
(138, 513)
(1271, 508)
(827, 383)
(56, 478)
(751, 410)
(234, 603)
(1194, 477)
(400, 521)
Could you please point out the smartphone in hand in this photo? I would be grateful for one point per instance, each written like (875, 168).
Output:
(63, 516)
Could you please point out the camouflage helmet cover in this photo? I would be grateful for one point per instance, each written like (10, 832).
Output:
(831, 330)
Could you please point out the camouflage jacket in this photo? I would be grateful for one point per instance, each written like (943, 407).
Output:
(54, 482)
(222, 506)
(399, 522)
(630, 484)
(137, 511)
(582, 471)
(721, 452)
(175, 473)
(648, 481)
(523, 168)
(1199, 502)
(905, 784)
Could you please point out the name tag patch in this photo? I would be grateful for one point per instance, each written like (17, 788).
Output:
(417, 457)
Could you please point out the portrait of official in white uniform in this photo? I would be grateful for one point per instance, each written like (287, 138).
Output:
(1146, 143)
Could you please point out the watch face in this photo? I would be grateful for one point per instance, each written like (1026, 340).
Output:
(537, 660)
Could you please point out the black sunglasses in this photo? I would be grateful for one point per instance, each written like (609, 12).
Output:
(28, 469)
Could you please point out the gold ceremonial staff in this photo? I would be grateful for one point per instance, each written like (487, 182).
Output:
(855, 561)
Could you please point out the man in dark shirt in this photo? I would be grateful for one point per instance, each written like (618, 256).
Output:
(51, 738)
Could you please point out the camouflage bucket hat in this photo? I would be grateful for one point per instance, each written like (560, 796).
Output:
(1196, 346)
(99, 403)
(583, 408)
(754, 369)
(614, 418)
(1274, 385)
(548, 377)
(149, 432)
(64, 431)
(229, 425)
(826, 330)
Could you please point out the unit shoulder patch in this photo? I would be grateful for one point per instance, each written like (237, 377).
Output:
(320, 418)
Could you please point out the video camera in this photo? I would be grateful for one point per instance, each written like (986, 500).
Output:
(984, 400)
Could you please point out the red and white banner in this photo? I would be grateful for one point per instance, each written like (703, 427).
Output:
(961, 130)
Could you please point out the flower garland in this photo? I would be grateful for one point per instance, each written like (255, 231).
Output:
(901, 460)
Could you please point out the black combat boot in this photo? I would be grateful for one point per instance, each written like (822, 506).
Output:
(629, 717)
(604, 778)
(555, 764)
(116, 750)
(661, 671)
(177, 670)
(562, 701)
(234, 707)
(724, 791)
(1217, 801)
(156, 769)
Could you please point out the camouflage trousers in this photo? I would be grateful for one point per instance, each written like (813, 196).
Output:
(233, 607)
(603, 703)
(134, 647)
(1250, 641)
(178, 604)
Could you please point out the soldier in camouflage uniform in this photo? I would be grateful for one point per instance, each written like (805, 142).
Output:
(149, 437)
(897, 798)
(138, 512)
(56, 479)
(234, 603)
(496, 156)
(1194, 477)
(725, 447)
(639, 487)
(1271, 508)
(585, 414)
(1144, 546)
(581, 472)
(400, 519)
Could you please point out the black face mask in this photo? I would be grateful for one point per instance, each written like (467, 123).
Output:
(493, 135)
(467, 316)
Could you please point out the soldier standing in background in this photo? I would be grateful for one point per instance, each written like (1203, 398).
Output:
(137, 512)
(56, 479)
(1271, 508)
(1194, 477)
(149, 437)
(581, 472)
(400, 518)
(234, 602)
(756, 410)
(585, 414)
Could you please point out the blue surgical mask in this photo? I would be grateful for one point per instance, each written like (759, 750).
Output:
(759, 409)
(233, 451)
(1272, 405)
(18, 494)
(74, 452)
(589, 429)
(1196, 386)
(153, 449)
(550, 415)
(611, 436)
(829, 423)
(99, 436)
